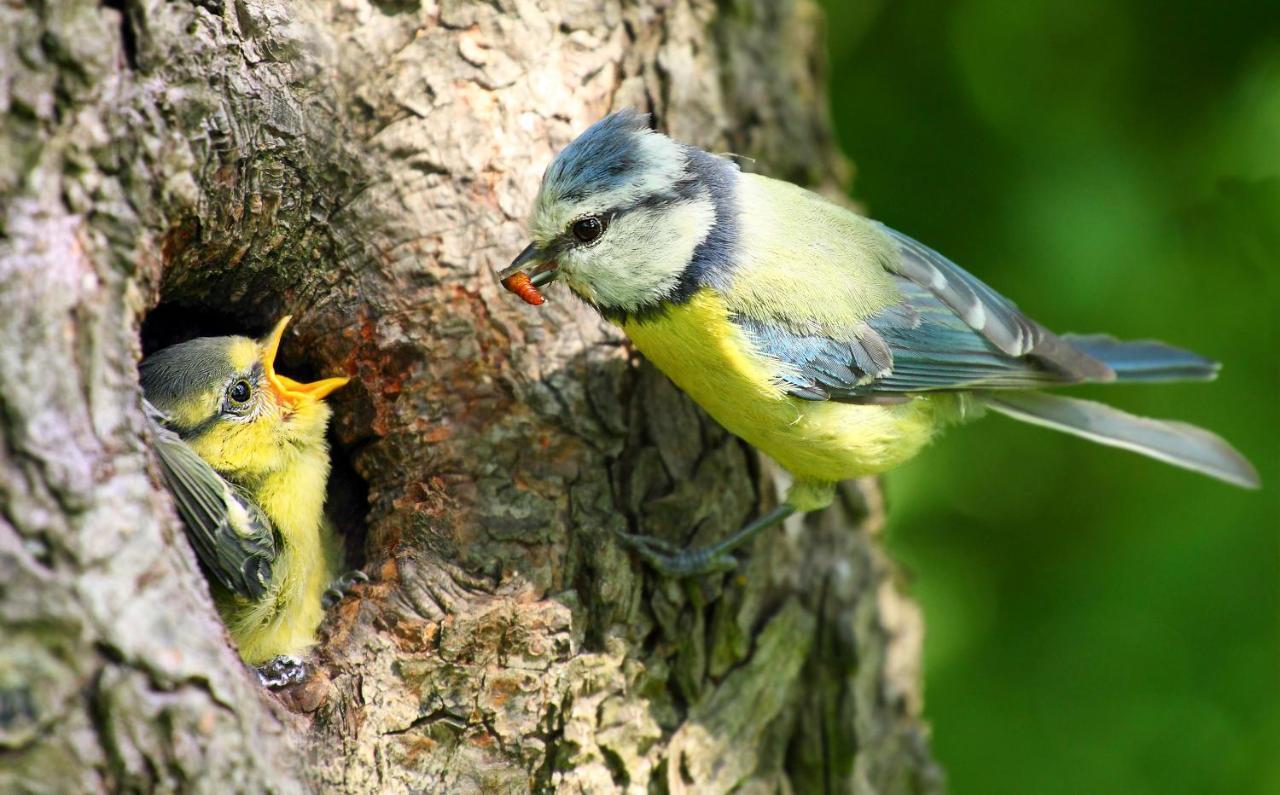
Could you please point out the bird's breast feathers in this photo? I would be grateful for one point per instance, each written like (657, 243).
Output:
(697, 346)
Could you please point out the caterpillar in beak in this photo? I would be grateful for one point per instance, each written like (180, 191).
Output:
(520, 284)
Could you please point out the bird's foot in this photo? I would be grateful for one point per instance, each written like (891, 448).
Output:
(281, 672)
(670, 561)
(339, 587)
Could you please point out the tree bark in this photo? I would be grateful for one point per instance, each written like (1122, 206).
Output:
(171, 169)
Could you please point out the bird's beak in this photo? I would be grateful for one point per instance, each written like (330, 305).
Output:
(287, 391)
(528, 272)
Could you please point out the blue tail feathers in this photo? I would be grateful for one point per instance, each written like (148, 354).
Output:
(1144, 360)
(1174, 443)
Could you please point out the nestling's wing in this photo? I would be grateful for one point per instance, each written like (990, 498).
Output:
(232, 536)
(949, 332)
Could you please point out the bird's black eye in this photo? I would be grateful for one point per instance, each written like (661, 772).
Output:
(239, 392)
(588, 229)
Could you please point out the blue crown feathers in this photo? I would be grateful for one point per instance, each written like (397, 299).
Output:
(601, 159)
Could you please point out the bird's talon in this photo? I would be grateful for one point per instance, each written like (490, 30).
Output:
(281, 672)
(341, 587)
(669, 560)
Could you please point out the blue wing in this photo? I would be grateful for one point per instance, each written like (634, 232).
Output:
(950, 332)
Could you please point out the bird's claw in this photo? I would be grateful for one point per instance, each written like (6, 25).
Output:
(671, 561)
(282, 671)
(341, 586)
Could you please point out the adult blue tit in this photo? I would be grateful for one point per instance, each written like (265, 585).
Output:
(243, 451)
(834, 344)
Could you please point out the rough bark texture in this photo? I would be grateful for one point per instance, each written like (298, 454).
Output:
(364, 165)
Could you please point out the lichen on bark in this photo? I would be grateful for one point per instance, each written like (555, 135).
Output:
(365, 166)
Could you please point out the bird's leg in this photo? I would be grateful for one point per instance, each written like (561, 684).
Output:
(339, 587)
(281, 672)
(669, 561)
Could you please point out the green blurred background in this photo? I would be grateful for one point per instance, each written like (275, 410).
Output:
(1097, 622)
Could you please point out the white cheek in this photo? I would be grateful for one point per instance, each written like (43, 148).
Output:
(641, 257)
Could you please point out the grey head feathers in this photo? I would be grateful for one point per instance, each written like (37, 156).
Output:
(185, 370)
(182, 369)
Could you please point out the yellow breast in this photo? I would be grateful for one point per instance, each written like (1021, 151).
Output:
(285, 620)
(708, 357)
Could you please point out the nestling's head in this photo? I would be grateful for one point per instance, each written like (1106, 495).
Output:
(631, 219)
(223, 396)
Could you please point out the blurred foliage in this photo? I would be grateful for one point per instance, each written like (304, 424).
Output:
(1097, 622)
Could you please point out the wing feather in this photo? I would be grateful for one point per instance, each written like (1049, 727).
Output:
(232, 537)
(927, 349)
(983, 309)
(949, 332)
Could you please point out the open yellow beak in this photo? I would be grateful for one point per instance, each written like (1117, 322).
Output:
(287, 391)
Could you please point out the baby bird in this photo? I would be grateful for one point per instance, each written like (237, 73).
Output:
(243, 450)
(832, 343)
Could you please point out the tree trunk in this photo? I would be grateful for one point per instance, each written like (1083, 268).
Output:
(198, 167)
